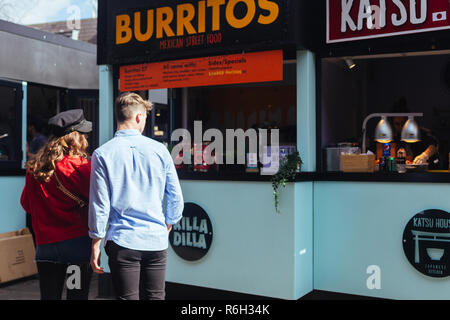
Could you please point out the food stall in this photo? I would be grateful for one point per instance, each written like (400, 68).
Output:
(346, 65)
(379, 62)
(227, 65)
(41, 74)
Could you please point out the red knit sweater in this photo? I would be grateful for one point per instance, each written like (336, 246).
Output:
(56, 217)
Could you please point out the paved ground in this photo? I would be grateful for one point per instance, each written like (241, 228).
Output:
(28, 289)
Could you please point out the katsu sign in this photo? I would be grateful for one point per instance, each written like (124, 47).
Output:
(349, 20)
(208, 71)
(426, 242)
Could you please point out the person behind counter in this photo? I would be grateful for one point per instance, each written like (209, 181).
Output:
(37, 139)
(419, 152)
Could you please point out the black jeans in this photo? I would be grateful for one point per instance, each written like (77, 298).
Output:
(137, 275)
(52, 278)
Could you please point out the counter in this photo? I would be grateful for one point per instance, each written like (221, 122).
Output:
(357, 221)
(358, 228)
(411, 177)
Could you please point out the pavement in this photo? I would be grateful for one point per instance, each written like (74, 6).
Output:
(28, 289)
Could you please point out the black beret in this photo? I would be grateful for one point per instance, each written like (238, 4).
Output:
(69, 121)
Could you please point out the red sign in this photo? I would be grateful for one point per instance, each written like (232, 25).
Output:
(349, 20)
(208, 71)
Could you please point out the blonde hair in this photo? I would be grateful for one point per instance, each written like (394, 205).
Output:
(128, 103)
(43, 164)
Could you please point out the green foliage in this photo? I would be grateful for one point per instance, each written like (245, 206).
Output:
(288, 170)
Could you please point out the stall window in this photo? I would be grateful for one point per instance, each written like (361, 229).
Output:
(43, 102)
(396, 83)
(270, 105)
(160, 125)
(88, 100)
(46, 101)
(10, 125)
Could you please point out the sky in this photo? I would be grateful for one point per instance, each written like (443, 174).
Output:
(41, 11)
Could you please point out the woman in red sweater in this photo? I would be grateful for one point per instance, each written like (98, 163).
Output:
(56, 194)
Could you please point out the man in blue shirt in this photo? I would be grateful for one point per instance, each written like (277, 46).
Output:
(131, 175)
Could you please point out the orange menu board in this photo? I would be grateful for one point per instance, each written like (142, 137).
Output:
(206, 71)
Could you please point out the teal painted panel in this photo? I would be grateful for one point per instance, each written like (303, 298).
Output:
(357, 225)
(303, 230)
(253, 247)
(106, 104)
(306, 109)
(12, 216)
(106, 122)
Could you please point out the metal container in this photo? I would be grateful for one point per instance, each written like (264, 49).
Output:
(333, 155)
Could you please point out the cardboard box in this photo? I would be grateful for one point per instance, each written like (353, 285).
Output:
(358, 162)
(17, 255)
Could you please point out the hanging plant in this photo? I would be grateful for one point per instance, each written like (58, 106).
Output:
(288, 170)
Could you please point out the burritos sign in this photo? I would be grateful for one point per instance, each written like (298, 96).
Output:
(155, 30)
(170, 22)
(349, 20)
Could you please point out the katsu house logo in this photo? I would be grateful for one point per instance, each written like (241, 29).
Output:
(364, 19)
(426, 243)
(191, 237)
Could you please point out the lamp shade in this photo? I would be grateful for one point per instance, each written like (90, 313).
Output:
(411, 131)
(383, 131)
(350, 63)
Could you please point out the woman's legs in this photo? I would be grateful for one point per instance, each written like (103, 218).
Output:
(78, 289)
(51, 279)
(53, 275)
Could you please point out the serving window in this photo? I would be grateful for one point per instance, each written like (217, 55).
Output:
(354, 88)
(17, 142)
(269, 105)
(44, 102)
(10, 125)
(263, 105)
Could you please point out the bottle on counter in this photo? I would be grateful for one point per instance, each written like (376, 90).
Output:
(384, 162)
(392, 165)
(401, 160)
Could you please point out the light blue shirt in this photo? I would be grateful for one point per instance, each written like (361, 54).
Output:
(130, 176)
